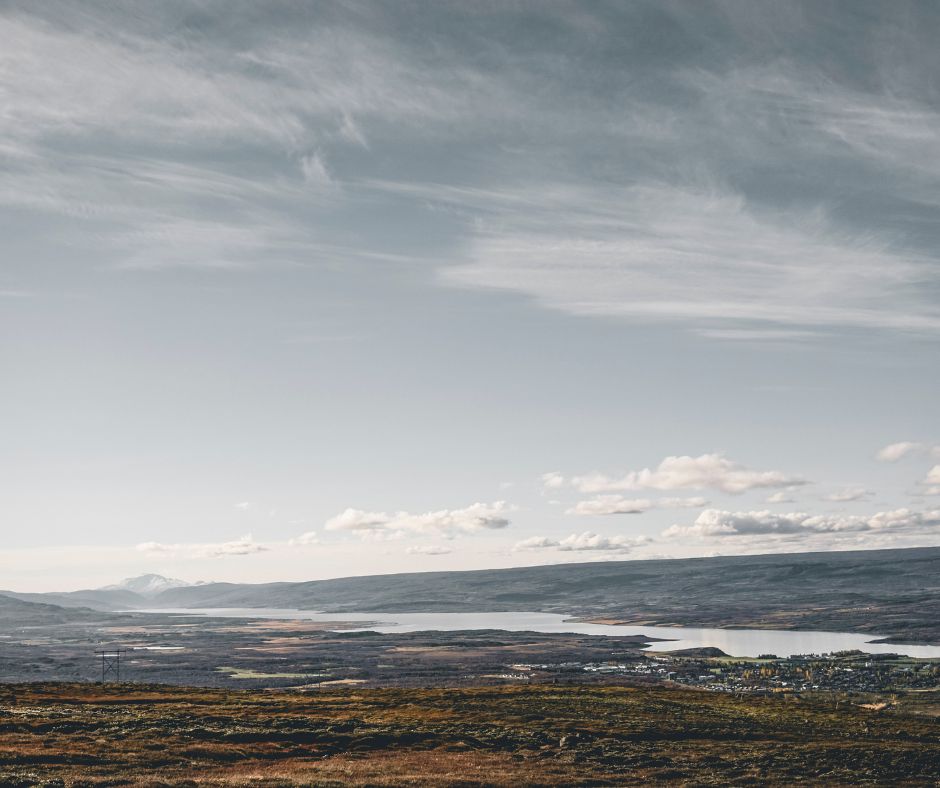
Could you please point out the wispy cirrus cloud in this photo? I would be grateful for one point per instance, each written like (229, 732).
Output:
(670, 232)
(289, 87)
(672, 252)
(145, 158)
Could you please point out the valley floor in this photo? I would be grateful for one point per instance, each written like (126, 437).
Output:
(127, 734)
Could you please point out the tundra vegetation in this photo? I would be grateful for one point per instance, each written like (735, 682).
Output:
(87, 734)
(212, 701)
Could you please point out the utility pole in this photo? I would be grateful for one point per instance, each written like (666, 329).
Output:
(111, 663)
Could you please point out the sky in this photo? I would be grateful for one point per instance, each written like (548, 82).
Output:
(300, 290)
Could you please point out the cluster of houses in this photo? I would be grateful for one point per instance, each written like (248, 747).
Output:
(842, 672)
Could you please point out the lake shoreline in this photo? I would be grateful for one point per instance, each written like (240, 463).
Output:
(744, 642)
(894, 640)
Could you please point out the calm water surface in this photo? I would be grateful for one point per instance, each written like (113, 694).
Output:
(736, 642)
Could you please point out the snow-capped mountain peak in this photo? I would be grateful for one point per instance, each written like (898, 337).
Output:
(149, 584)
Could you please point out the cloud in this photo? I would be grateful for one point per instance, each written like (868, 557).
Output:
(306, 539)
(779, 497)
(849, 494)
(896, 451)
(586, 541)
(676, 473)
(271, 87)
(677, 241)
(669, 232)
(616, 504)
(446, 522)
(718, 523)
(681, 503)
(553, 480)
(660, 252)
(535, 543)
(427, 549)
(244, 505)
(761, 335)
(612, 504)
(357, 520)
(314, 170)
(181, 242)
(175, 158)
(933, 475)
(243, 546)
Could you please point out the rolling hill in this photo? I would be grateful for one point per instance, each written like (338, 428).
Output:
(17, 612)
(889, 592)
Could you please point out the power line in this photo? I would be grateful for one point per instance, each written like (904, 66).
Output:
(111, 663)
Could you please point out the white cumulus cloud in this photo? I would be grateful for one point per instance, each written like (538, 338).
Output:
(612, 504)
(718, 523)
(586, 541)
(245, 545)
(897, 451)
(428, 549)
(447, 522)
(357, 520)
(849, 494)
(933, 475)
(553, 480)
(682, 503)
(712, 471)
(616, 504)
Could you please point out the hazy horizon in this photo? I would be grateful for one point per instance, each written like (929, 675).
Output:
(296, 291)
(175, 582)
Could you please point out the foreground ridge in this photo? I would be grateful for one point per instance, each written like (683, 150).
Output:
(536, 735)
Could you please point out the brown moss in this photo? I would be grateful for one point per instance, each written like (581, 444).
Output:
(532, 735)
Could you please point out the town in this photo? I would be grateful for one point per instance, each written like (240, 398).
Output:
(848, 671)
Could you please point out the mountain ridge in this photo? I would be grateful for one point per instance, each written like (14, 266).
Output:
(148, 584)
(884, 592)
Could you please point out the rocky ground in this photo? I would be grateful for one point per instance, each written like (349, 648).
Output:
(87, 734)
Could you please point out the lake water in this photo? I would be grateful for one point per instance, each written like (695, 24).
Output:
(736, 642)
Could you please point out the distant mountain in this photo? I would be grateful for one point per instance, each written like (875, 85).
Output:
(18, 612)
(148, 585)
(133, 593)
(890, 592)
(95, 598)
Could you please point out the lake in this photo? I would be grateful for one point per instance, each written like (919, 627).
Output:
(736, 642)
